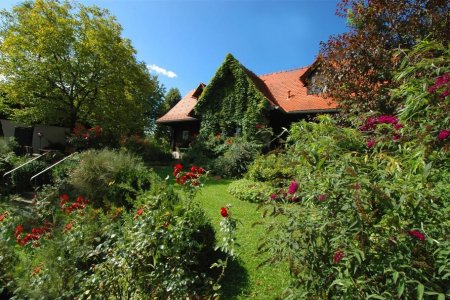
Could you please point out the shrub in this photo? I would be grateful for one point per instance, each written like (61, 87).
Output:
(20, 178)
(151, 150)
(7, 145)
(165, 253)
(110, 177)
(272, 168)
(251, 191)
(236, 158)
(371, 220)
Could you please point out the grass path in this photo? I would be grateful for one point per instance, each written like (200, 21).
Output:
(244, 279)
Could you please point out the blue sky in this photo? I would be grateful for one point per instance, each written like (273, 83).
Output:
(185, 41)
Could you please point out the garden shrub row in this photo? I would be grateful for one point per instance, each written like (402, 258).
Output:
(108, 228)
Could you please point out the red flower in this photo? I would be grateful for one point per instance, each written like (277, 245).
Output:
(194, 169)
(273, 196)
(337, 257)
(201, 170)
(443, 134)
(417, 234)
(18, 231)
(370, 143)
(63, 199)
(224, 212)
(177, 169)
(139, 213)
(396, 137)
(293, 187)
(3, 216)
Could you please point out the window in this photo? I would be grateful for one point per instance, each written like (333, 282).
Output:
(185, 135)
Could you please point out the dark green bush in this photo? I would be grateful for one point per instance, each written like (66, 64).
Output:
(152, 151)
(20, 179)
(251, 191)
(236, 158)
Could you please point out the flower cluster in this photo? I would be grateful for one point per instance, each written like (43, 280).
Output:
(290, 195)
(82, 137)
(372, 122)
(34, 236)
(191, 177)
(78, 205)
(417, 234)
(442, 83)
(338, 256)
(443, 134)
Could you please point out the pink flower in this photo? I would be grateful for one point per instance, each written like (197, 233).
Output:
(322, 197)
(337, 257)
(273, 196)
(370, 143)
(293, 187)
(396, 137)
(398, 126)
(443, 134)
(417, 234)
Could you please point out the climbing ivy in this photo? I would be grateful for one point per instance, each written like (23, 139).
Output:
(232, 103)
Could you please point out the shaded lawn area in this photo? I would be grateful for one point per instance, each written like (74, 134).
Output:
(244, 280)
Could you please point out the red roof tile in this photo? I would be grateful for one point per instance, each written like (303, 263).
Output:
(290, 94)
(180, 112)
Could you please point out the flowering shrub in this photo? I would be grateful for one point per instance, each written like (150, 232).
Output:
(83, 138)
(371, 223)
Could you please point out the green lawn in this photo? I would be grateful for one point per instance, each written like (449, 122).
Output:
(244, 279)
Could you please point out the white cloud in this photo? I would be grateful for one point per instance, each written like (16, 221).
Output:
(162, 71)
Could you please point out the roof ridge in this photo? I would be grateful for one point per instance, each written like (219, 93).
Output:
(284, 71)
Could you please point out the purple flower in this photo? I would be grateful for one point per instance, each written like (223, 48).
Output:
(293, 187)
(443, 134)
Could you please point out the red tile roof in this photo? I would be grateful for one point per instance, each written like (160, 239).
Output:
(283, 89)
(290, 94)
(180, 112)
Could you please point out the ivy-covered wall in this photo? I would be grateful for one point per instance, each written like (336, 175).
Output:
(232, 102)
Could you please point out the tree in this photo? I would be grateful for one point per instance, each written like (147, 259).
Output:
(65, 63)
(171, 98)
(358, 66)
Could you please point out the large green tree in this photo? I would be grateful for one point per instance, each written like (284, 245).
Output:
(63, 63)
(171, 98)
(358, 66)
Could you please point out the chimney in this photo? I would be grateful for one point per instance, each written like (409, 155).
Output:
(289, 94)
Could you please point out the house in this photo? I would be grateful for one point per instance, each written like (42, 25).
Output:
(236, 101)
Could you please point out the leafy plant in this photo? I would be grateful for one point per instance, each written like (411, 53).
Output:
(251, 191)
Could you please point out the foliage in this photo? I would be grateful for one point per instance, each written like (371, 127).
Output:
(150, 150)
(82, 138)
(20, 179)
(237, 156)
(273, 168)
(357, 67)
(66, 63)
(251, 191)
(161, 254)
(371, 221)
(231, 103)
(7, 145)
(171, 98)
(111, 178)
